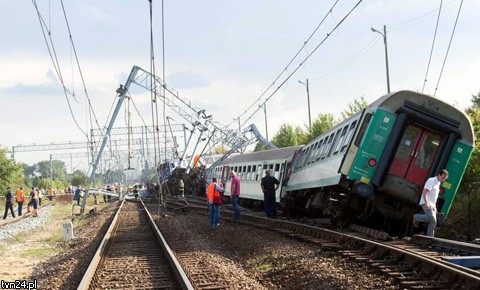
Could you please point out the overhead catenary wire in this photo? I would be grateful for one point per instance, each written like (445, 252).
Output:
(300, 64)
(433, 44)
(153, 92)
(449, 45)
(289, 63)
(164, 80)
(56, 65)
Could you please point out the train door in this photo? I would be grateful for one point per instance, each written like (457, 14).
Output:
(416, 154)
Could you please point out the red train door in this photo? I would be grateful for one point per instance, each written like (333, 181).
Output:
(416, 154)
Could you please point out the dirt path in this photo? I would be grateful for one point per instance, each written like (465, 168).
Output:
(39, 253)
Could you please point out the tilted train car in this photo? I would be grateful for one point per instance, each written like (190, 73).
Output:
(371, 168)
(250, 168)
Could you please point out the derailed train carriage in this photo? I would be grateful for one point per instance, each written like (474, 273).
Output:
(371, 168)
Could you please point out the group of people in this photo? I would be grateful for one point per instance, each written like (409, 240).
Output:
(34, 201)
(269, 185)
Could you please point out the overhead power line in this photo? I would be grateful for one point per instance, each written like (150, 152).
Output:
(299, 65)
(433, 44)
(289, 63)
(448, 49)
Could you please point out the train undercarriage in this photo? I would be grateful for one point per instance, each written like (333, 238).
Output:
(381, 210)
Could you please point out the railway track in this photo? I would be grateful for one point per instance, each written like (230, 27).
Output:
(134, 254)
(409, 264)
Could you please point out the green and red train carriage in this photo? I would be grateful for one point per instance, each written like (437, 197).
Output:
(369, 169)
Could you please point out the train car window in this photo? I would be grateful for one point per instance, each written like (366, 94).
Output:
(351, 130)
(327, 146)
(254, 168)
(336, 137)
(270, 166)
(265, 166)
(305, 157)
(324, 148)
(313, 153)
(340, 140)
(300, 159)
(319, 150)
(276, 170)
(363, 129)
(245, 168)
(259, 172)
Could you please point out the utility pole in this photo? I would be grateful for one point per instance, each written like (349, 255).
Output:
(308, 102)
(384, 34)
(266, 124)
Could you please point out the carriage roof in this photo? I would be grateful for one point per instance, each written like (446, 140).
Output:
(272, 154)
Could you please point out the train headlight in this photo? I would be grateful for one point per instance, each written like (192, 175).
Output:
(372, 162)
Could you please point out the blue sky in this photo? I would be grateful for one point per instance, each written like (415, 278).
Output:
(222, 55)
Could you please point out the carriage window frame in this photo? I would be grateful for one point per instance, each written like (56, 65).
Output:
(340, 140)
(312, 153)
(327, 146)
(363, 129)
(350, 133)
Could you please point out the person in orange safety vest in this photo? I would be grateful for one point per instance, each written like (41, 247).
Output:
(214, 196)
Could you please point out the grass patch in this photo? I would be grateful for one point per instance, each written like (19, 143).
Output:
(39, 253)
(54, 238)
(262, 263)
(21, 238)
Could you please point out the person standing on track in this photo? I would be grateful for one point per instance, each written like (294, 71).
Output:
(428, 202)
(215, 200)
(235, 194)
(269, 185)
(20, 198)
(9, 203)
(181, 188)
(34, 201)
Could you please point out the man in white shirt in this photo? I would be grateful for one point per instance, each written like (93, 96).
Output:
(428, 202)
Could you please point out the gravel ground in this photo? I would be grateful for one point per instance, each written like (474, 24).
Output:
(253, 258)
(26, 224)
(66, 270)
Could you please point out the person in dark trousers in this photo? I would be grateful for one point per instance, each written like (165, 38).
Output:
(181, 188)
(8, 203)
(214, 197)
(135, 191)
(76, 195)
(428, 202)
(34, 202)
(235, 194)
(269, 185)
(20, 198)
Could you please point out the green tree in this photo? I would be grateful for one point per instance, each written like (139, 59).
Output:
(261, 147)
(29, 170)
(11, 173)
(148, 175)
(58, 169)
(220, 149)
(287, 136)
(353, 107)
(464, 213)
(320, 125)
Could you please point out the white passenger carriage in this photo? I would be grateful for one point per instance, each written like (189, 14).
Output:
(250, 168)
